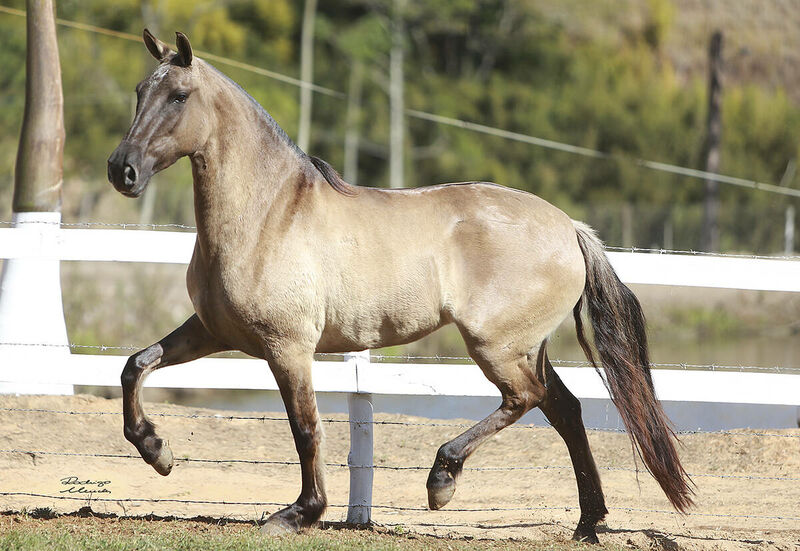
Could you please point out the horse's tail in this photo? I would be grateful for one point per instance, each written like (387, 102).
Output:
(619, 335)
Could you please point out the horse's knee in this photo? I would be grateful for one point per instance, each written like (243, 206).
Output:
(138, 363)
(517, 404)
(130, 374)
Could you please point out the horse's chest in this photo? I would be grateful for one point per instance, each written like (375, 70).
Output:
(243, 309)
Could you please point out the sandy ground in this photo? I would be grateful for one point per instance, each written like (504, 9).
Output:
(748, 486)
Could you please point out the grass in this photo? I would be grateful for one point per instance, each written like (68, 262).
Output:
(39, 530)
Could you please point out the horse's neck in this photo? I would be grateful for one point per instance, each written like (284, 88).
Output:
(240, 179)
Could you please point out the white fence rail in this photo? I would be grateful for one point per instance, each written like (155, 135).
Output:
(22, 364)
(412, 379)
(176, 248)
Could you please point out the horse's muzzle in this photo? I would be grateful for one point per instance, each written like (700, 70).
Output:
(123, 171)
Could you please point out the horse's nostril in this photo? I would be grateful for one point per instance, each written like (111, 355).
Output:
(130, 175)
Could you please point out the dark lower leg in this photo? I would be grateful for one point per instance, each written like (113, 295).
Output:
(188, 342)
(521, 392)
(301, 407)
(563, 411)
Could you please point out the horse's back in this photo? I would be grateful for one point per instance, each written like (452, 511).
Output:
(516, 258)
(470, 252)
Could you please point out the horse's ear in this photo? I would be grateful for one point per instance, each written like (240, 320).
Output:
(184, 49)
(157, 49)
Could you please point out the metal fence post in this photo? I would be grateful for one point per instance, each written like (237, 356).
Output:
(360, 458)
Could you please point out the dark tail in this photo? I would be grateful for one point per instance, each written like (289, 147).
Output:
(619, 335)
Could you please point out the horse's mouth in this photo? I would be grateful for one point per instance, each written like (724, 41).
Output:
(133, 194)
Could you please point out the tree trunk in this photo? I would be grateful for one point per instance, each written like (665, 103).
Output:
(38, 177)
(306, 73)
(712, 145)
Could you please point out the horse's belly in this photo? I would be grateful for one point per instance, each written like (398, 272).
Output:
(383, 315)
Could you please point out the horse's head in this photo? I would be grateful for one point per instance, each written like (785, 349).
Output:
(169, 121)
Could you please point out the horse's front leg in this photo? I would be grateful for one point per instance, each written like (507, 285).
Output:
(292, 372)
(188, 342)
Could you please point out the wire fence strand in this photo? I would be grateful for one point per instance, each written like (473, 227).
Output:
(391, 358)
(35, 453)
(632, 249)
(264, 418)
(392, 507)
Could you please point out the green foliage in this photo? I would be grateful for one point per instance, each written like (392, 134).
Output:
(523, 66)
(659, 20)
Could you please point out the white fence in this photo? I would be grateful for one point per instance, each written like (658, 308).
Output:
(24, 363)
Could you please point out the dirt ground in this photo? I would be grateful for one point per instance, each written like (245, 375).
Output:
(748, 485)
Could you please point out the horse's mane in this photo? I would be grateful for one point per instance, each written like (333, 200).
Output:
(332, 177)
(327, 171)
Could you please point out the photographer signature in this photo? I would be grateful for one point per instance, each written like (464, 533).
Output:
(75, 485)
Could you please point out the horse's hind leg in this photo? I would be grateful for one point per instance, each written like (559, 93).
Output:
(188, 342)
(292, 371)
(521, 392)
(563, 411)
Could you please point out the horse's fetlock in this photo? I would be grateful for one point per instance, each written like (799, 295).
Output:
(314, 506)
(447, 459)
(131, 434)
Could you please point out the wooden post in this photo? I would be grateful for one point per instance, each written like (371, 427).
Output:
(353, 122)
(788, 231)
(711, 152)
(396, 103)
(38, 176)
(359, 460)
(627, 225)
(306, 73)
(32, 326)
(669, 233)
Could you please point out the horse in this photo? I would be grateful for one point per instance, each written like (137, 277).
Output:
(290, 260)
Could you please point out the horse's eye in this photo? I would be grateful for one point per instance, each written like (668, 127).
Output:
(179, 98)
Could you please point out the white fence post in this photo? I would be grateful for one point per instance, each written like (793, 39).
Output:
(32, 326)
(361, 437)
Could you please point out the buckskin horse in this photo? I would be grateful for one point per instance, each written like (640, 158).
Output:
(291, 260)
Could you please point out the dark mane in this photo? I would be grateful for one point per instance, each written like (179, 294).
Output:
(327, 171)
(332, 177)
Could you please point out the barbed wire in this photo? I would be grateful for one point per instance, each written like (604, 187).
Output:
(411, 358)
(389, 507)
(460, 123)
(597, 154)
(133, 226)
(35, 453)
(264, 418)
(123, 225)
(690, 252)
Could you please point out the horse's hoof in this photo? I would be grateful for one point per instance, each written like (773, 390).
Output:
(441, 487)
(276, 526)
(163, 463)
(585, 534)
(285, 521)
